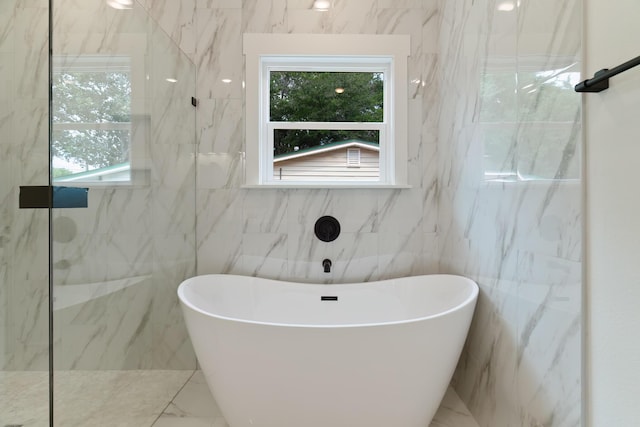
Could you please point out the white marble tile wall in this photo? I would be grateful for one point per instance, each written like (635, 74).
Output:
(23, 161)
(385, 233)
(520, 240)
(450, 221)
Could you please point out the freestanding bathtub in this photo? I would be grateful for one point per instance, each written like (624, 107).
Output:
(376, 354)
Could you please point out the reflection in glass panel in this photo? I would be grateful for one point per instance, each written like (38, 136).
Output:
(528, 117)
(548, 95)
(301, 96)
(548, 151)
(92, 119)
(499, 152)
(326, 155)
(498, 97)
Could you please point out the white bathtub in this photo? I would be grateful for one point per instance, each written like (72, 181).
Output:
(278, 354)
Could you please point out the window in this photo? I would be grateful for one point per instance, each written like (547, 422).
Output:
(91, 119)
(315, 100)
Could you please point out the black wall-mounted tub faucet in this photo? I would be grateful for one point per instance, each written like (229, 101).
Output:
(326, 264)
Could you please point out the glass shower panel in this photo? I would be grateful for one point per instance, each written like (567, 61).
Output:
(24, 233)
(123, 126)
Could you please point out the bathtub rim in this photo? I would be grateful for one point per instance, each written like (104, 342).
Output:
(471, 299)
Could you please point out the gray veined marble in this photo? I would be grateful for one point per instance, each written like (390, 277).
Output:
(494, 164)
(518, 235)
(496, 189)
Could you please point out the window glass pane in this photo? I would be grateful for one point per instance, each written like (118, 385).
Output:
(291, 140)
(301, 96)
(92, 124)
(323, 155)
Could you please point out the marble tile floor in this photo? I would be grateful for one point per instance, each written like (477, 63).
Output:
(193, 406)
(88, 398)
(138, 399)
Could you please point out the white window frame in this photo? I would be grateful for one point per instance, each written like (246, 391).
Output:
(326, 52)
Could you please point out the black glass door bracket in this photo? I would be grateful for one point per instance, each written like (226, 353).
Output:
(600, 80)
(48, 196)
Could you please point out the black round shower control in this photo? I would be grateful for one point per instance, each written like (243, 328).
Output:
(327, 228)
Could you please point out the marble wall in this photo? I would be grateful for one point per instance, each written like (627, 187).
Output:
(24, 158)
(116, 264)
(385, 233)
(510, 203)
(496, 188)
(496, 192)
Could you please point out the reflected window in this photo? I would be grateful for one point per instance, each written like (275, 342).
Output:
(528, 121)
(92, 130)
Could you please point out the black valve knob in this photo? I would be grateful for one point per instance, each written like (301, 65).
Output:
(327, 228)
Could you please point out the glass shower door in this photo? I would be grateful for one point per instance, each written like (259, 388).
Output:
(24, 233)
(123, 127)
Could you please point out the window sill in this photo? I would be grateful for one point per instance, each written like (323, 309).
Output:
(327, 186)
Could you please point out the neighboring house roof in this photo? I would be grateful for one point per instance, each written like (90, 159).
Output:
(95, 174)
(326, 148)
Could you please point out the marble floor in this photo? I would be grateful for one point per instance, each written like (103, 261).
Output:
(137, 399)
(88, 398)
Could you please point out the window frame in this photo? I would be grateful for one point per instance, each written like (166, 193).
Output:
(322, 64)
(325, 52)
